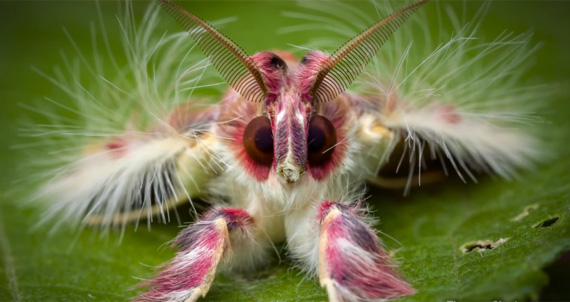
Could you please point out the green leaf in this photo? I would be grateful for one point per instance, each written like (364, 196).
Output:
(426, 231)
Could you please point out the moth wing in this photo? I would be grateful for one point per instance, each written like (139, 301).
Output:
(421, 144)
(138, 175)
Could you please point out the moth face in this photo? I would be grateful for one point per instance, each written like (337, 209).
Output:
(299, 113)
(292, 138)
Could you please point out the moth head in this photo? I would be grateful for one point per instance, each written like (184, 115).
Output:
(298, 122)
(291, 137)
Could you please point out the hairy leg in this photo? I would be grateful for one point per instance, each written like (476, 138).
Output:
(223, 239)
(345, 253)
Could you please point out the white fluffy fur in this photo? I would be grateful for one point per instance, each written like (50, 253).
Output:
(99, 186)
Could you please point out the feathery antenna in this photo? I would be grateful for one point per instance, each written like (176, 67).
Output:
(349, 60)
(231, 61)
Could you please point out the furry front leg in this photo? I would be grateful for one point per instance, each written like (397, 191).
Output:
(345, 253)
(202, 246)
(352, 265)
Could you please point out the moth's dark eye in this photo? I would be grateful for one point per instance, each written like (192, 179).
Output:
(278, 63)
(321, 140)
(258, 140)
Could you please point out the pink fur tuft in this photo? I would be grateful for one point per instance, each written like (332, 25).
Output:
(310, 66)
(352, 266)
(273, 69)
(201, 247)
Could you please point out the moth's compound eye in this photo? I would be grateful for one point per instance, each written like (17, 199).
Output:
(278, 63)
(321, 140)
(258, 140)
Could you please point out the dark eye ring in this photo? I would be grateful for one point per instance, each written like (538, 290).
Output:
(258, 140)
(321, 140)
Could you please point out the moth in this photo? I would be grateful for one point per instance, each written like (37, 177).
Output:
(285, 154)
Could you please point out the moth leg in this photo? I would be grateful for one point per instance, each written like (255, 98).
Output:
(399, 172)
(352, 264)
(396, 164)
(345, 253)
(216, 241)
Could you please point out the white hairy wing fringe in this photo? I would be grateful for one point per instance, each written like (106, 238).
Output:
(103, 186)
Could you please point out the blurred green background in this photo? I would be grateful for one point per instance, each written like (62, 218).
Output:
(70, 267)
